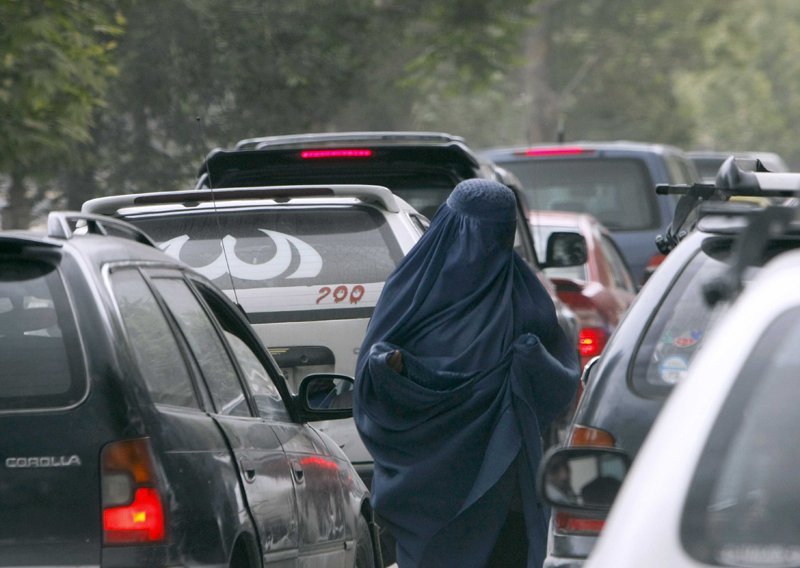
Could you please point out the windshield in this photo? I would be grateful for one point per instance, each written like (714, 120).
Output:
(329, 259)
(618, 191)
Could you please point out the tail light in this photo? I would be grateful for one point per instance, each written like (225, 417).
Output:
(572, 523)
(591, 341)
(586, 436)
(554, 151)
(133, 508)
(336, 153)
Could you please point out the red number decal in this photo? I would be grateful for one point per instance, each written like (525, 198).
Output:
(323, 293)
(339, 294)
(356, 294)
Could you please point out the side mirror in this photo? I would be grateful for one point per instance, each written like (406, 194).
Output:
(565, 249)
(582, 479)
(326, 396)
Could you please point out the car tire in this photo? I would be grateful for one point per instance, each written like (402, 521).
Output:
(365, 551)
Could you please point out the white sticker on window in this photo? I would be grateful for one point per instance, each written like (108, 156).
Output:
(286, 247)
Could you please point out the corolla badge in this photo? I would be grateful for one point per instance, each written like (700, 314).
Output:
(30, 462)
(310, 261)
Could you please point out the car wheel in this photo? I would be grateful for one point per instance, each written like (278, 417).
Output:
(365, 555)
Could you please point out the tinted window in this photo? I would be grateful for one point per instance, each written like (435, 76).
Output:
(206, 344)
(152, 341)
(314, 260)
(40, 355)
(677, 329)
(619, 192)
(268, 399)
(745, 496)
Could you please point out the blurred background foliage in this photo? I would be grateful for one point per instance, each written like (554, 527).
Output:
(110, 96)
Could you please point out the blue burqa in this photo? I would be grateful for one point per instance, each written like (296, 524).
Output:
(456, 437)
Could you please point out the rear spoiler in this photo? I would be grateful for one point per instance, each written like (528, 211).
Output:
(191, 198)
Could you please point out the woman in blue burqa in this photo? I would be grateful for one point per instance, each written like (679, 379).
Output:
(463, 367)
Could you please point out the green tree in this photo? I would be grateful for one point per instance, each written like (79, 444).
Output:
(54, 69)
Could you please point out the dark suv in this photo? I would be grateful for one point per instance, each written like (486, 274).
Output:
(145, 424)
(613, 181)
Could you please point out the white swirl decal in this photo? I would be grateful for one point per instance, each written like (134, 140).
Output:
(309, 266)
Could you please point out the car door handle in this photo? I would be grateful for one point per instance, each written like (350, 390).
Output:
(297, 471)
(248, 470)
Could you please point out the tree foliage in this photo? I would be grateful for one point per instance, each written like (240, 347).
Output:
(54, 69)
(87, 111)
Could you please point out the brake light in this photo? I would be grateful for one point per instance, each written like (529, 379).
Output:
(133, 509)
(573, 524)
(591, 341)
(141, 521)
(556, 151)
(586, 436)
(336, 153)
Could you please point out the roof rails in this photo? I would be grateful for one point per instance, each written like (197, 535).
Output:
(66, 224)
(731, 181)
(339, 137)
(367, 193)
(764, 225)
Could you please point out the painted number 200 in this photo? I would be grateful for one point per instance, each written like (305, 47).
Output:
(341, 293)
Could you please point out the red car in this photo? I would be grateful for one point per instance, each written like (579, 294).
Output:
(598, 291)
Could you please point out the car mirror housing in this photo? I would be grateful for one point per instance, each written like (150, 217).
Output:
(326, 396)
(565, 249)
(583, 479)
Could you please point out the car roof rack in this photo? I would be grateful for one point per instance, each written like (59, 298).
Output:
(66, 224)
(367, 193)
(731, 181)
(339, 137)
(764, 226)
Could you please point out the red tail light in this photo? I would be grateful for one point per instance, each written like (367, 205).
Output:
(556, 151)
(573, 524)
(336, 153)
(141, 521)
(133, 509)
(591, 341)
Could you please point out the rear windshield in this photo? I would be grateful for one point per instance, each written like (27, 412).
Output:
(618, 191)
(40, 355)
(286, 264)
(677, 328)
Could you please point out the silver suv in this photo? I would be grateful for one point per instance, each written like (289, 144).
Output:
(306, 263)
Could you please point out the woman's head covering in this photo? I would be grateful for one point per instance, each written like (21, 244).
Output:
(486, 367)
(462, 295)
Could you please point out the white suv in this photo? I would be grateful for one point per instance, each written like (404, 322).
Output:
(716, 481)
(306, 263)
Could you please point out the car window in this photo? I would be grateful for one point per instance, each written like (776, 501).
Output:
(745, 494)
(41, 363)
(209, 350)
(268, 398)
(618, 191)
(151, 339)
(676, 330)
(619, 269)
(321, 263)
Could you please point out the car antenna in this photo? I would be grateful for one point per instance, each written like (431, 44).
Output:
(199, 121)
